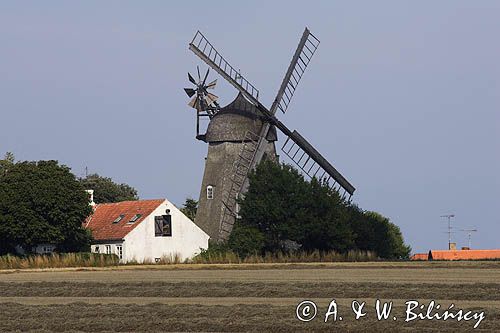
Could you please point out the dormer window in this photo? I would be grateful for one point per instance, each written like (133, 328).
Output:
(134, 219)
(119, 218)
(210, 192)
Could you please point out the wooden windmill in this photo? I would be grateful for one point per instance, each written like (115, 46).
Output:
(243, 133)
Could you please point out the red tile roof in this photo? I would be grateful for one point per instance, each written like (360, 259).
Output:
(101, 221)
(419, 256)
(465, 254)
(457, 255)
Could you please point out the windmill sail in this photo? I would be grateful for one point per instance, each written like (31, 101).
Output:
(308, 45)
(312, 163)
(305, 50)
(204, 49)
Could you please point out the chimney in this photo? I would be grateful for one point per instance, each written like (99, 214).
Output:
(91, 197)
(453, 246)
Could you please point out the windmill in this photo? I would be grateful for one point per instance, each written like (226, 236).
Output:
(242, 134)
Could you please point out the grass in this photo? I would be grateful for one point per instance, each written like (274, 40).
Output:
(229, 257)
(170, 259)
(57, 260)
(62, 260)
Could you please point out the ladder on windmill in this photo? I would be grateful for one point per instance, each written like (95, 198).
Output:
(239, 173)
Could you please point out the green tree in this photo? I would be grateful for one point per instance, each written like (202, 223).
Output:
(374, 232)
(106, 191)
(42, 202)
(189, 208)
(392, 245)
(246, 240)
(6, 162)
(323, 220)
(283, 206)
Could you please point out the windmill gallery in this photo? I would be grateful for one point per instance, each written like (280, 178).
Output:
(243, 133)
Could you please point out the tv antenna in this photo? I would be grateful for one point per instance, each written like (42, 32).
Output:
(469, 234)
(449, 216)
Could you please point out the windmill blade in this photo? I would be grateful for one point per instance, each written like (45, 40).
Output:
(308, 44)
(312, 163)
(193, 81)
(194, 103)
(190, 92)
(305, 50)
(199, 76)
(210, 98)
(203, 49)
(211, 85)
(206, 75)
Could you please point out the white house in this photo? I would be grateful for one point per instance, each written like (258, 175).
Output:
(144, 231)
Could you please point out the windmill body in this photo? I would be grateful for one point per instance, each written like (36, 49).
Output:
(230, 132)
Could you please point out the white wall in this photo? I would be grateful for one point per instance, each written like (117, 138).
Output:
(44, 249)
(102, 248)
(186, 240)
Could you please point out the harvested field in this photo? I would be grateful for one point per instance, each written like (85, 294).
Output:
(482, 291)
(244, 298)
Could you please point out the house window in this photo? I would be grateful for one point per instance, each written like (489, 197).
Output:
(210, 192)
(163, 226)
(108, 249)
(119, 251)
(97, 249)
(119, 218)
(135, 218)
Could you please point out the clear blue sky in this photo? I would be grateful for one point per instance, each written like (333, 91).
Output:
(402, 97)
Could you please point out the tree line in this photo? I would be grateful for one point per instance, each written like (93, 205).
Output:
(42, 202)
(283, 212)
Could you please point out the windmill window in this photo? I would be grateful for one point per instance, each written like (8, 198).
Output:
(163, 226)
(135, 218)
(210, 192)
(119, 218)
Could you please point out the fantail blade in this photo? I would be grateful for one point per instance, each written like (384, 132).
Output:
(190, 92)
(212, 84)
(206, 75)
(194, 102)
(210, 98)
(191, 79)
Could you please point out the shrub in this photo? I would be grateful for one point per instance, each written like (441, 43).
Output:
(246, 240)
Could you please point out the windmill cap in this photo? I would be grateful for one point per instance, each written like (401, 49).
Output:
(234, 120)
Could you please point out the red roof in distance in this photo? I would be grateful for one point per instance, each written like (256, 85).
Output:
(465, 254)
(458, 255)
(101, 221)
